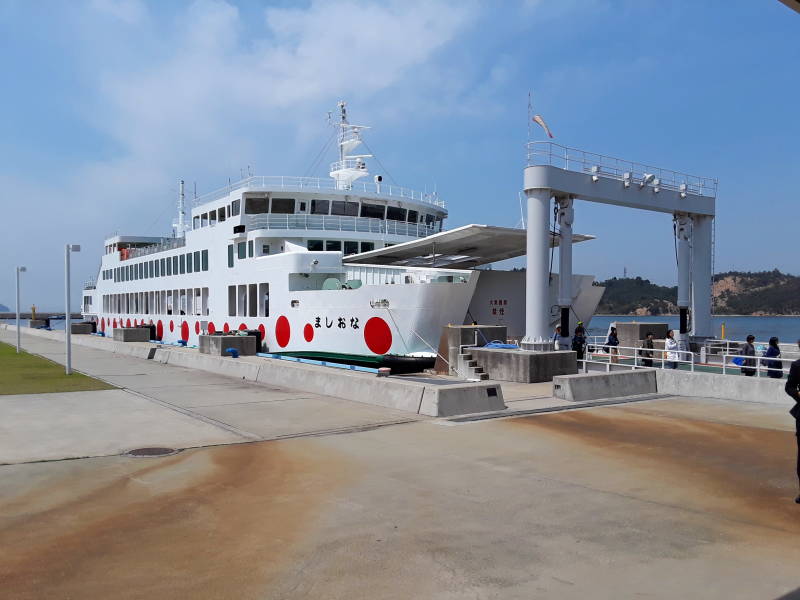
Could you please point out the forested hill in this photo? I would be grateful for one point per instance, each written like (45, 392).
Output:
(734, 292)
(4, 308)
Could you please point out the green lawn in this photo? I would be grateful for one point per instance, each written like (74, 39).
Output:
(28, 374)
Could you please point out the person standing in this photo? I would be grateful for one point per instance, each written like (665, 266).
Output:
(793, 389)
(647, 355)
(748, 364)
(774, 367)
(612, 343)
(557, 338)
(671, 346)
(579, 342)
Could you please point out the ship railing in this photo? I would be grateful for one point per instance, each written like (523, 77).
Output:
(309, 184)
(389, 274)
(349, 163)
(167, 244)
(90, 284)
(339, 223)
(580, 161)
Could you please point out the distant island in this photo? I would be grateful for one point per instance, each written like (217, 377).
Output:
(733, 293)
(4, 308)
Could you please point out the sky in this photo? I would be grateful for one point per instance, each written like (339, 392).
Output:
(106, 104)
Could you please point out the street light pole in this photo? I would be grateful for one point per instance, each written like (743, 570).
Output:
(67, 329)
(19, 270)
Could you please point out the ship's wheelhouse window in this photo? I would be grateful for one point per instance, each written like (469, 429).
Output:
(413, 216)
(256, 206)
(182, 259)
(302, 207)
(189, 261)
(234, 208)
(350, 248)
(393, 213)
(196, 223)
(283, 206)
(231, 300)
(367, 246)
(429, 220)
(230, 255)
(175, 265)
(197, 260)
(221, 214)
(205, 260)
(204, 220)
(241, 250)
(320, 207)
(333, 246)
(373, 211)
(315, 245)
(340, 207)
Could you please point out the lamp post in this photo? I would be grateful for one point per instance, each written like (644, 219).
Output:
(19, 270)
(68, 249)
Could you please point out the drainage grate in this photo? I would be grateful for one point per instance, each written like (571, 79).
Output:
(151, 452)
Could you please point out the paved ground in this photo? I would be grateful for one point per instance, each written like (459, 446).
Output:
(668, 498)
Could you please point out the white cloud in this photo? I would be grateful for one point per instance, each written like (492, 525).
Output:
(127, 11)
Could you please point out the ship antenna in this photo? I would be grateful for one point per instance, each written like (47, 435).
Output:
(181, 210)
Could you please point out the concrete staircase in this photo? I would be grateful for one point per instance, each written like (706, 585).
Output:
(468, 367)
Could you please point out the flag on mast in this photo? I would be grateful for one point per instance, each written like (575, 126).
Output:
(538, 119)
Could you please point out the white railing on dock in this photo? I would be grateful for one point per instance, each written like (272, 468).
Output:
(656, 357)
(758, 364)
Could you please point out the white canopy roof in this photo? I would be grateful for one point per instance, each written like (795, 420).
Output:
(460, 248)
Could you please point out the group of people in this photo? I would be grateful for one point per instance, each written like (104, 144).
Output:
(769, 358)
(611, 346)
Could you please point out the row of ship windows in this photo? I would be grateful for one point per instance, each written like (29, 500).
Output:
(247, 249)
(190, 301)
(190, 262)
(249, 300)
(286, 206)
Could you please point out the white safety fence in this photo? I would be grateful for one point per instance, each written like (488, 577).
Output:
(635, 357)
(758, 365)
(722, 347)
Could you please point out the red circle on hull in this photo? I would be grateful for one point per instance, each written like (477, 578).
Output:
(263, 331)
(308, 332)
(197, 327)
(211, 328)
(242, 327)
(378, 335)
(185, 331)
(103, 324)
(128, 324)
(283, 331)
(159, 330)
(171, 326)
(226, 328)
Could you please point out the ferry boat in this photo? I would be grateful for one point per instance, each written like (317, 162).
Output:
(336, 269)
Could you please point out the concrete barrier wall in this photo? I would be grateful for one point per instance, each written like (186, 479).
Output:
(593, 386)
(419, 397)
(726, 387)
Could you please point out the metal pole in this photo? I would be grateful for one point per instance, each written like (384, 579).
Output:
(67, 328)
(537, 288)
(18, 344)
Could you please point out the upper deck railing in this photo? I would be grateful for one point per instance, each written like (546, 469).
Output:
(167, 244)
(580, 161)
(337, 223)
(309, 184)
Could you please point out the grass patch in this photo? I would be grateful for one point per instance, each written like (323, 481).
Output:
(25, 373)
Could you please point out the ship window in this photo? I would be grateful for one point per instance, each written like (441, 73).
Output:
(212, 218)
(182, 259)
(241, 301)
(230, 255)
(394, 213)
(221, 214)
(413, 216)
(231, 300)
(140, 273)
(158, 268)
(263, 302)
(175, 265)
(340, 207)
(234, 208)
(315, 245)
(255, 206)
(241, 249)
(283, 206)
(164, 262)
(197, 261)
(150, 268)
(333, 246)
(367, 246)
(196, 223)
(250, 245)
(350, 248)
(182, 302)
(205, 260)
(198, 302)
(204, 220)
(320, 207)
(429, 219)
(205, 301)
(265, 249)
(302, 207)
(169, 265)
(252, 300)
(189, 265)
(373, 211)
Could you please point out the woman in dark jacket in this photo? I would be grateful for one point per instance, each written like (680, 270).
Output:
(748, 364)
(774, 367)
(579, 342)
(611, 345)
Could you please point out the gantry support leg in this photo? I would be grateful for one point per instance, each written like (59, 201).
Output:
(537, 284)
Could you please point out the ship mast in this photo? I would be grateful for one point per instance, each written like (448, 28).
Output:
(349, 167)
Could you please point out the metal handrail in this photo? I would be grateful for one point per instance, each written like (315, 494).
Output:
(637, 355)
(305, 184)
(168, 244)
(759, 365)
(339, 223)
(728, 346)
(580, 161)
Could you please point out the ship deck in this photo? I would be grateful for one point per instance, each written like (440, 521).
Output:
(283, 494)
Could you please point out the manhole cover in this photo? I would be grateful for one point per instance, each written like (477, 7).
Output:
(151, 452)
